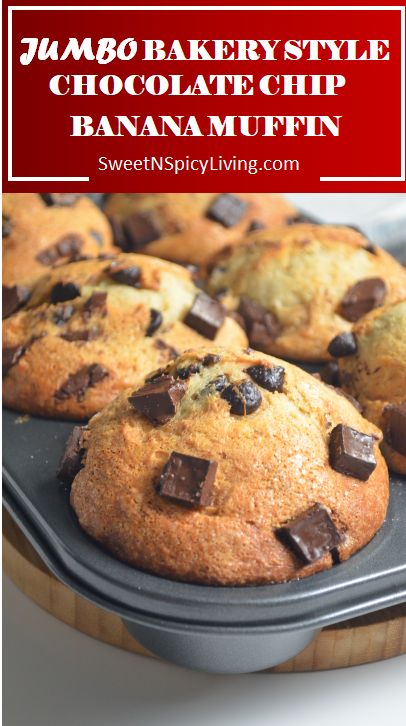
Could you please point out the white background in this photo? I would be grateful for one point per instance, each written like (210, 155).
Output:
(55, 676)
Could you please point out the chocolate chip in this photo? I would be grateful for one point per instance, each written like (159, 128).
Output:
(244, 397)
(63, 291)
(6, 226)
(217, 384)
(69, 246)
(351, 452)
(261, 325)
(227, 209)
(187, 479)
(95, 305)
(394, 425)
(80, 335)
(206, 316)
(310, 535)
(185, 373)
(11, 356)
(342, 345)
(119, 238)
(62, 314)
(363, 297)
(77, 383)
(330, 373)
(210, 360)
(14, 298)
(155, 322)
(125, 275)
(71, 461)
(141, 229)
(302, 218)
(163, 345)
(255, 225)
(270, 378)
(60, 200)
(48, 257)
(159, 399)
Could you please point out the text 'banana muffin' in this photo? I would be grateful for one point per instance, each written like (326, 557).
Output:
(44, 230)
(295, 288)
(91, 328)
(191, 228)
(230, 468)
(372, 367)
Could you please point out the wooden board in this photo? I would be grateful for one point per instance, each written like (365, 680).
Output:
(362, 640)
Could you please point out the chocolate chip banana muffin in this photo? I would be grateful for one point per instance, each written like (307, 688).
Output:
(92, 328)
(372, 367)
(294, 289)
(228, 468)
(190, 228)
(43, 230)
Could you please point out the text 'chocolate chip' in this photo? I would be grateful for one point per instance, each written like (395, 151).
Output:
(206, 316)
(351, 452)
(188, 479)
(363, 297)
(159, 399)
(227, 209)
(310, 535)
(243, 397)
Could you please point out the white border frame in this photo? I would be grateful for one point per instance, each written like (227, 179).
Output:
(400, 178)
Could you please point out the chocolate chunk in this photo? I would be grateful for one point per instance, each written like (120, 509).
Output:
(394, 426)
(342, 345)
(71, 461)
(140, 229)
(77, 383)
(48, 257)
(206, 316)
(159, 399)
(155, 322)
(14, 298)
(310, 535)
(156, 374)
(255, 225)
(330, 374)
(227, 209)
(210, 360)
(363, 297)
(69, 246)
(187, 479)
(261, 325)
(6, 226)
(217, 384)
(352, 452)
(95, 305)
(80, 335)
(270, 378)
(60, 200)
(244, 397)
(119, 237)
(62, 314)
(63, 291)
(125, 276)
(11, 356)
(185, 373)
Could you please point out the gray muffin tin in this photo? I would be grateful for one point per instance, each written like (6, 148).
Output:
(215, 629)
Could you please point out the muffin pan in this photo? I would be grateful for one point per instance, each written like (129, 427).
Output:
(216, 629)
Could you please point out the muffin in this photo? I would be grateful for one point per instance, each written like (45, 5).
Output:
(372, 367)
(190, 228)
(228, 468)
(94, 327)
(295, 288)
(43, 230)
